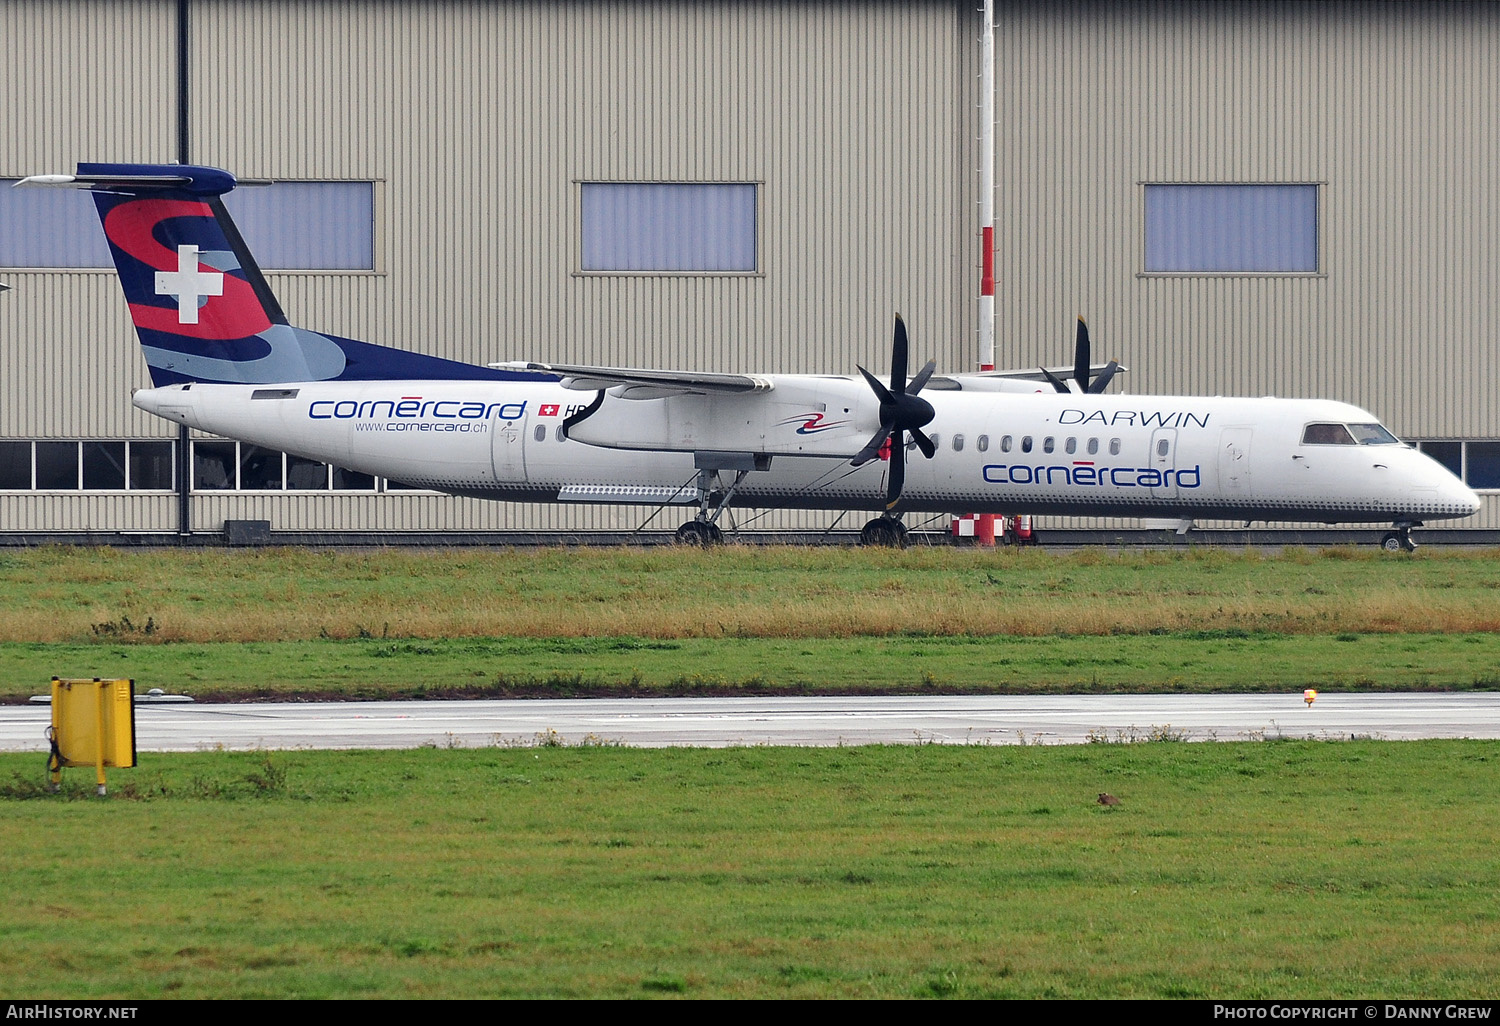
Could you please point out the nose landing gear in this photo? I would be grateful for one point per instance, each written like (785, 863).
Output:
(1399, 540)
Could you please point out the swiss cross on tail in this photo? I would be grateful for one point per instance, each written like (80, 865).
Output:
(188, 284)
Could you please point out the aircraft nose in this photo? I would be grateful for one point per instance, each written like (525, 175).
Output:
(1467, 499)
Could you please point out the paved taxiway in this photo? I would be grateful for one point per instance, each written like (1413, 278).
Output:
(711, 722)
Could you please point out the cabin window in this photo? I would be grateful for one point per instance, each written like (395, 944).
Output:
(1071, 446)
(1047, 445)
(562, 434)
(1114, 447)
(1093, 446)
(982, 443)
(1162, 447)
(1005, 443)
(540, 434)
(1025, 443)
(1326, 434)
(937, 442)
(958, 443)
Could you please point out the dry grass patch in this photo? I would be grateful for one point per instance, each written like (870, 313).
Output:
(71, 595)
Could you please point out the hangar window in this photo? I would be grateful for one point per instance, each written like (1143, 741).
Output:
(239, 466)
(704, 227)
(306, 226)
(1476, 462)
(50, 228)
(1232, 229)
(299, 226)
(93, 465)
(15, 466)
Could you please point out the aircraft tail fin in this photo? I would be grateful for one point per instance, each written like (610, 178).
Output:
(201, 306)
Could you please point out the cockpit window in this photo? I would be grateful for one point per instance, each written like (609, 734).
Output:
(1373, 434)
(1326, 434)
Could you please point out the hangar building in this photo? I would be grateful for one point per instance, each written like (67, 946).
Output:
(453, 178)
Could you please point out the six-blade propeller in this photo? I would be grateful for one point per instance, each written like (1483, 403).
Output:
(902, 412)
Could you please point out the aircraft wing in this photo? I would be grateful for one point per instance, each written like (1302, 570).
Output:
(644, 384)
(1007, 380)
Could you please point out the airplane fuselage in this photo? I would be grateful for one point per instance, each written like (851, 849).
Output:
(1041, 453)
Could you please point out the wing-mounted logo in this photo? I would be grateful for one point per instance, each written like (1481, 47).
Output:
(812, 423)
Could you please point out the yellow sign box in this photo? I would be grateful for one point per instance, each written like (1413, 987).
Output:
(93, 724)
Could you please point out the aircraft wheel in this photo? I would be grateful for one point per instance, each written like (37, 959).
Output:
(699, 533)
(1398, 541)
(885, 533)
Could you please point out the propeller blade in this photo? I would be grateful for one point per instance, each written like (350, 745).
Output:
(1055, 383)
(898, 357)
(896, 476)
(881, 392)
(872, 447)
(916, 383)
(1081, 357)
(923, 442)
(1102, 381)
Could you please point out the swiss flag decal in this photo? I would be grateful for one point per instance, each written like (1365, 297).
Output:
(547, 410)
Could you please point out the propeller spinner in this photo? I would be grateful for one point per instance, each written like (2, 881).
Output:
(902, 412)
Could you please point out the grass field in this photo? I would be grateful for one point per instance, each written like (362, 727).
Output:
(1273, 869)
(285, 622)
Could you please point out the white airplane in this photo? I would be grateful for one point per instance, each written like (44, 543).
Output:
(224, 359)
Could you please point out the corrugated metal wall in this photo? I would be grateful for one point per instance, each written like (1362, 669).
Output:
(1389, 105)
(478, 120)
(78, 80)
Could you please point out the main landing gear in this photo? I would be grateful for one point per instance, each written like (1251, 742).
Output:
(1399, 540)
(704, 530)
(884, 532)
(701, 533)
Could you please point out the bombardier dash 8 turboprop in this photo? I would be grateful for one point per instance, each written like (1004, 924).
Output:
(224, 359)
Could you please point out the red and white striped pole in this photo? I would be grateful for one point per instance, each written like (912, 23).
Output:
(985, 529)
